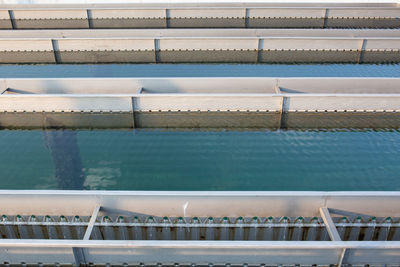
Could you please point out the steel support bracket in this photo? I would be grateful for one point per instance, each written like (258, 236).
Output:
(79, 253)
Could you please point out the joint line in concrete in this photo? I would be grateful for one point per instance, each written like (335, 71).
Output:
(12, 19)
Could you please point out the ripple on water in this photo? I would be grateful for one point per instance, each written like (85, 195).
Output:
(206, 159)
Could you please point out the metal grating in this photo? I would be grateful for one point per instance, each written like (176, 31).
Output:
(199, 228)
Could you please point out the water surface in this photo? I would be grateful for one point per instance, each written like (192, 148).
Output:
(200, 70)
(200, 160)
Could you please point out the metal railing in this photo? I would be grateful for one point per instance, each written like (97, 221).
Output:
(197, 228)
(116, 228)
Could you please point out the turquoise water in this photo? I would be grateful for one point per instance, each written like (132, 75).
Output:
(199, 70)
(200, 160)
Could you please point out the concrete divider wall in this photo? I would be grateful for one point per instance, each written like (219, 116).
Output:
(131, 86)
(65, 104)
(208, 103)
(273, 111)
(200, 94)
(199, 102)
(5, 22)
(211, 16)
(344, 103)
(204, 49)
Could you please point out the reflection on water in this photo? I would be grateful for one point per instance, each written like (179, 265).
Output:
(64, 150)
(204, 159)
(103, 176)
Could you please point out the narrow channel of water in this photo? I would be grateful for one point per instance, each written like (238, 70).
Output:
(200, 70)
(200, 160)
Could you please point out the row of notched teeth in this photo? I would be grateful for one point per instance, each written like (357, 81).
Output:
(197, 221)
(197, 228)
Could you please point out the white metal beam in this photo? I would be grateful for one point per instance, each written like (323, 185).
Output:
(330, 226)
(179, 33)
(170, 203)
(238, 252)
(93, 219)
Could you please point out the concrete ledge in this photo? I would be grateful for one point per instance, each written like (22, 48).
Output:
(235, 22)
(206, 22)
(239, 22)
(51, 23)
(304, 56)
(200, 119)
(54, 120)
(65, 103)
(358, 120)
(204, 15)
(381, 56)
(5, 24)
(207, 119)
(202, 56)
(285, 22)
(204, 102)
(363, 23)
(139, 23)
(20, 120)
(202, 45)
(214, 56)
(106, 57)
(27, 57)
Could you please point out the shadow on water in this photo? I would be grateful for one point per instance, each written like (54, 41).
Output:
(64, 150)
